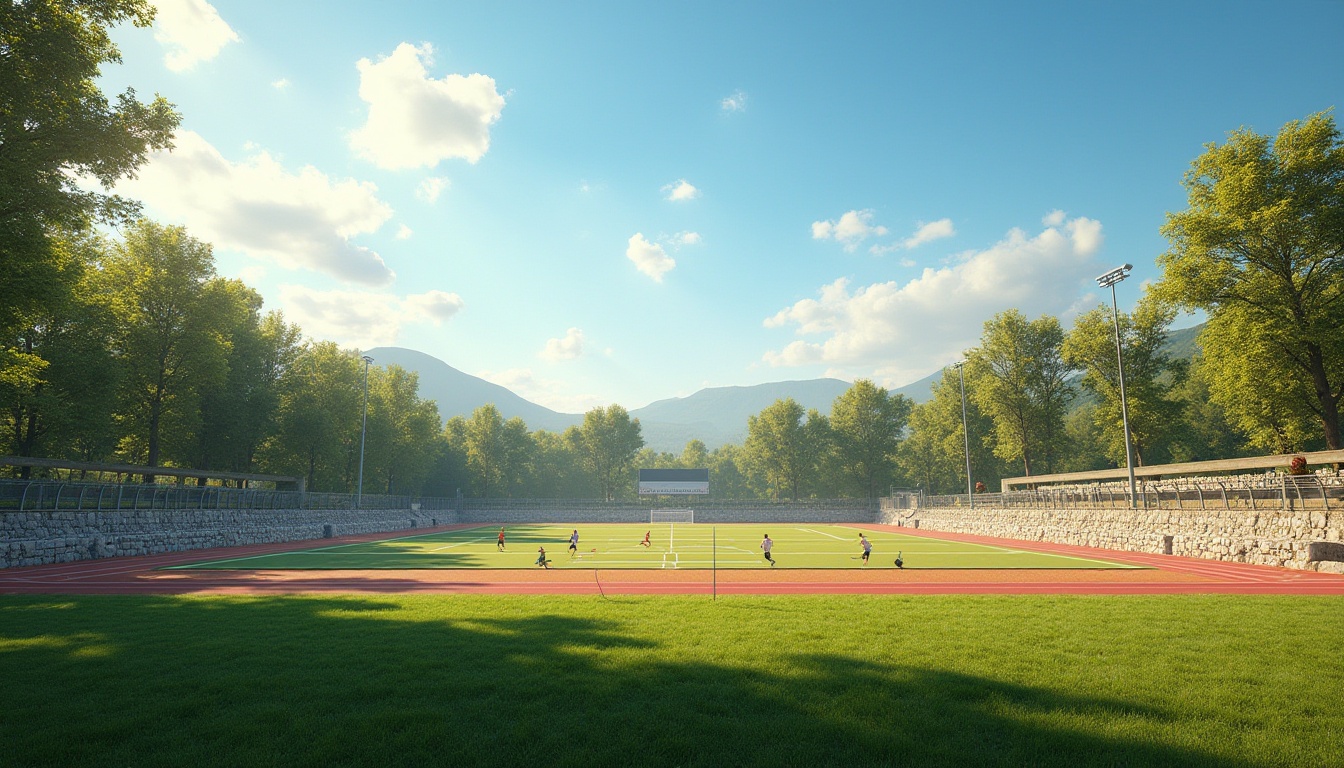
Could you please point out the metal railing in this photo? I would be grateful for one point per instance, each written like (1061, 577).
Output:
(1323, 491)
(54, 495)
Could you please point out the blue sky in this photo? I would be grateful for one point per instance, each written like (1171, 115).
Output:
(622, 202)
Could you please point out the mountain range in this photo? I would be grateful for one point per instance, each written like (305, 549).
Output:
(715, 415)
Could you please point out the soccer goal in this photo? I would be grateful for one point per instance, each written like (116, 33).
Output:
(671, 516)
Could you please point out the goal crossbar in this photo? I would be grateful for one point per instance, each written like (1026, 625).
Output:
(671, 516)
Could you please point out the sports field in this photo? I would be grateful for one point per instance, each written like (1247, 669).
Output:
(670, 546)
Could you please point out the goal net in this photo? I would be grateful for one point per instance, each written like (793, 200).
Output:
(672, 516)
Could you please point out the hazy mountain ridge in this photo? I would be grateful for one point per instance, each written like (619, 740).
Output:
(715, 415)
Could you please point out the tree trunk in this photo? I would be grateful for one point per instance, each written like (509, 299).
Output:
(1329, 411)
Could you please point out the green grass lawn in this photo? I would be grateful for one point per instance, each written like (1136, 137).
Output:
(671, 681)
(671, 546)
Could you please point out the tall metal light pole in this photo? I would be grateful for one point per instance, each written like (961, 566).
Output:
(363, 429)
(965, 434)
(1109, 280)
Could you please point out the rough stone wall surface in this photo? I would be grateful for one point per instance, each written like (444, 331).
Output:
(39, 538)
(704, 514)
(1264, 537)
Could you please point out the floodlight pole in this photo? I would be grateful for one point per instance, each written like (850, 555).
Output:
(1109, 280)
(965, 434)
(363, 430)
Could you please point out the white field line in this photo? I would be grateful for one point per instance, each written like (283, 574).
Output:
(460, 543)
(823, 533)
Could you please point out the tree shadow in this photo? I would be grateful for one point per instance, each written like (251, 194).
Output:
(315, 680)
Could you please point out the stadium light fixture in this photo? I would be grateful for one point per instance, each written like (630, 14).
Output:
(363, 430)
(1109, 280)
(965, 434)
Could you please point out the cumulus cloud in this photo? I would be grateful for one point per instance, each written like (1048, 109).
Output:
(567, 348)
(685, 238)
(903, 331)
(735, 103)
(680, 190)
(414, 120)
(192, 31)
(298, 219)
(404, 232)
(849, 230)
(649, 258)
(363, 319)
(1054, 218)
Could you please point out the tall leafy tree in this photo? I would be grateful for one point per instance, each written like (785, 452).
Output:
(319, 419)
(1154, 416)
(783, 448)
(402, 432)
(1263, 237)
(59, 387)
(933, 456)
(57, 125)
(608, 440)
(497, 450)
(172, 331)
(867, 422)
(1019, 378)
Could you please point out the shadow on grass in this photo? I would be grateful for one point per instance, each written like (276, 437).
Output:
(324, 681)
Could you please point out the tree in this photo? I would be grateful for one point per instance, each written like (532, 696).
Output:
(402, 432)
(497, 450)
(59, 385)
(318, 421)
(171, 338)
(1018, 377)
(1264, 237)
(56, 126)
(933, 456)
(608, 441)
(1154, 417)
(867, 423)
(1256, 386)
(782, 450)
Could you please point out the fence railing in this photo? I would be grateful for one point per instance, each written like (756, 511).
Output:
(1271, 491)
(53, 495)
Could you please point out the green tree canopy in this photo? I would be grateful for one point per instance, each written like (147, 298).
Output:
(783, 449)
(867, 422)
(1018, 378)
(56, 126)
(1264, 237)
(608, 441)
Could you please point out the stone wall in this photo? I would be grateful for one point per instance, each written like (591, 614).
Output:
(1265, 537)
(38, 538)
(566, 511)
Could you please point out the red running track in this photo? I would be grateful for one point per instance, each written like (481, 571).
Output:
(1164, 575)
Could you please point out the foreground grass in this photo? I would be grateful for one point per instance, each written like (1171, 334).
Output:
(822, 680)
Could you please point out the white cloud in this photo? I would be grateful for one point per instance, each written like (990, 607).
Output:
(281, 84)
(429, 190)
(416, 121)
(681, 189)
(650, 258)
(404, 232)
(363, 319)
(252, 274)
(850, 229)
(568, 348)
(1054, 218)
(903, 331)
(924, 233)
(685, 238)
(735, 103)
(297, 219)
(191, 30)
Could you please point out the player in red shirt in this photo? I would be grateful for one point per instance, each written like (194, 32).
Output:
(645, 542)
(501, 539)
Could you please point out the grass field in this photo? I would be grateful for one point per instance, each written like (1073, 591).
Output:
(664, 681)
(672, 545)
